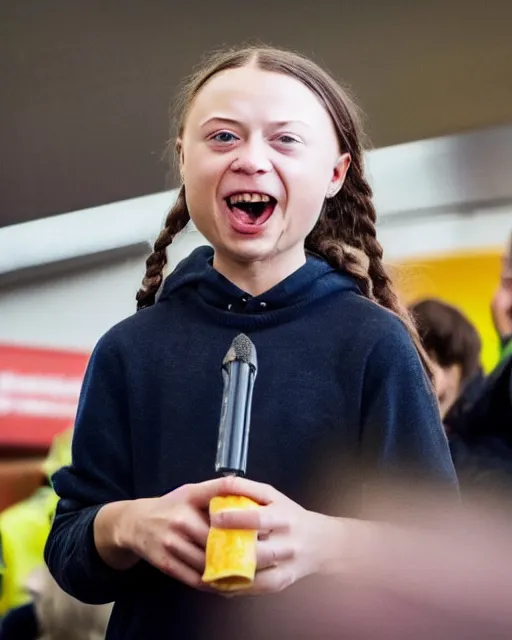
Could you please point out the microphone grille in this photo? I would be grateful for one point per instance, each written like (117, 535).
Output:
(242, 349)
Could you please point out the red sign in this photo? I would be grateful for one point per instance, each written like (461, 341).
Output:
(39, 390)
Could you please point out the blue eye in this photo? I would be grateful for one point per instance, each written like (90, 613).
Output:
(224, 136)
(287, 139)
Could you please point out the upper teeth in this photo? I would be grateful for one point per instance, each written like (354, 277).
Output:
(249, 197)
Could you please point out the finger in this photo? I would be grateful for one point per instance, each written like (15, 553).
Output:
(272, 580)
(186, 552)
(261, 493)
(195, 525)
(182, 571)
(201, 493)
(261, 519)
(270, 553)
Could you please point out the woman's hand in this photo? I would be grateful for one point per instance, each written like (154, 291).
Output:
(292, 542)
(170, 532)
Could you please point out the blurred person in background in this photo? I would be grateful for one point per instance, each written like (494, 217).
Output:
(501, 305)
(32, 605)
(476, 409)
(454, 347)
(61, 617)
(25, 526)
(52, 614)
(481, 421)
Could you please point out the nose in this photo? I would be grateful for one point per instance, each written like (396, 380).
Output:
(252, 158)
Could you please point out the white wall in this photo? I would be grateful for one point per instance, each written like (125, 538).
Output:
(70, 311)
(73, 311)
(440, 233)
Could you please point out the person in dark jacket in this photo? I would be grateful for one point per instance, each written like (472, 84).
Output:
(454, 346)
(271, 160)
(20, 623)
(476, 409)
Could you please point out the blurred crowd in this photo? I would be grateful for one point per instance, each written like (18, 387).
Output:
(31, 604)
(476, 409)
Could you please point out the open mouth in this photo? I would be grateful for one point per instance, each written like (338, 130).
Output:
(251, 209)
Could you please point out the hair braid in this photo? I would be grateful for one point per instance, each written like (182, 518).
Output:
(346, 237)
(176, 220)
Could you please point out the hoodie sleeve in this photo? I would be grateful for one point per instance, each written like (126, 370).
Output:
(401, 423)
(100, 473)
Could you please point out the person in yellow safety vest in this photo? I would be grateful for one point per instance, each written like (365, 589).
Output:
(24, 528)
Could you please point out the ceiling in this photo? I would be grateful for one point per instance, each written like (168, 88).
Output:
(86, 85)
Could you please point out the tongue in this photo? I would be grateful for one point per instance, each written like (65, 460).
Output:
(248, 218)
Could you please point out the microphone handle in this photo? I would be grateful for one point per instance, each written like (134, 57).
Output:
(234, 426)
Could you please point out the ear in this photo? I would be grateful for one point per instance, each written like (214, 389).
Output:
(179, 151)
(339, 173)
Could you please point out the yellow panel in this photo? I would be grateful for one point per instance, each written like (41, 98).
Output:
(467, 280)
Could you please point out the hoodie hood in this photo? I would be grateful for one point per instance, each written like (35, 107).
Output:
(314, 280)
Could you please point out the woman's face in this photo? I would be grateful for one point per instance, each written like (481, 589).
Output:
(259, 155)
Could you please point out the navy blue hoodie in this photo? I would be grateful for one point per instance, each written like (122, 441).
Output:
(336, 372)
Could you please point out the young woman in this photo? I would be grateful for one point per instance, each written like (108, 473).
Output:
(272, 166)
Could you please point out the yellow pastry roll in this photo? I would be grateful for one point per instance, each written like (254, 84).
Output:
(230, 553)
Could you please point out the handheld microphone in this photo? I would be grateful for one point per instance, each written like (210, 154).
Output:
(231, 554)
(239, 370)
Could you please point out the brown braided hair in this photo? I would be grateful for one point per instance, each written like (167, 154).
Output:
(345, 234)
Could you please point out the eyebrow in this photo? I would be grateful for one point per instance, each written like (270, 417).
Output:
(232, 121)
